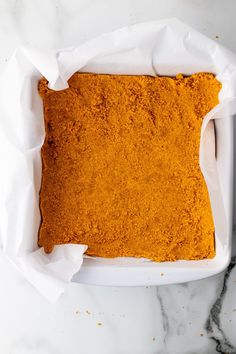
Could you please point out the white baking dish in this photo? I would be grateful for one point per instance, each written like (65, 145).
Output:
(166, 47)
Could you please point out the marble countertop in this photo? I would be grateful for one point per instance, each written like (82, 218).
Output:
(192, 318)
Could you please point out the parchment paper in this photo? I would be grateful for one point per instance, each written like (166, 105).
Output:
(166, 47)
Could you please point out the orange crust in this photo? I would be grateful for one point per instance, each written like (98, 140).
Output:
(121, 166)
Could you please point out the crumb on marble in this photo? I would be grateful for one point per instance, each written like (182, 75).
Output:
(99, 324)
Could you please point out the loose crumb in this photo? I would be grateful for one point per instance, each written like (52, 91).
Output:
(99, 324)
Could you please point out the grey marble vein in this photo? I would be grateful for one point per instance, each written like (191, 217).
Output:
(213, 324)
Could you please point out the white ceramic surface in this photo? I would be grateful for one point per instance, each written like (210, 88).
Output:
(193, 318)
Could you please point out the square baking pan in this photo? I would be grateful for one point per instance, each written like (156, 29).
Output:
(165, 48)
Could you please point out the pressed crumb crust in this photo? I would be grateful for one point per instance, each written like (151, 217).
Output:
(121, 166)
